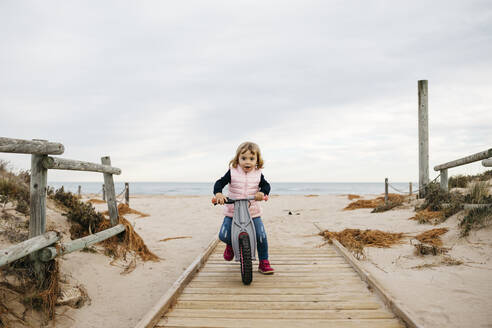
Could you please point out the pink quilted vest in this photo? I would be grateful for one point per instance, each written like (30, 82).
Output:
(244, 185)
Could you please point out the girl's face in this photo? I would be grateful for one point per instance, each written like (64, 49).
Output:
(247, 161)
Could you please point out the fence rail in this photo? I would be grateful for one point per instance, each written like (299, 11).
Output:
(70, 164)
(484, 155)
(38, 147)
(40, 241)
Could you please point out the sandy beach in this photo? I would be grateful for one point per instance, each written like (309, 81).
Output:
(437, 296)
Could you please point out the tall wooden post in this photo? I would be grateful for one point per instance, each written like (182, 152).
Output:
(110, 194)
(423, 137)
(410, 188)
(386, 191)
(444, 179)
(79, 191)
(127, 193)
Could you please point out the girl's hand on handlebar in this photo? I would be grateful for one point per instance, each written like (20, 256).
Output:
(260, 196)
(220, 198)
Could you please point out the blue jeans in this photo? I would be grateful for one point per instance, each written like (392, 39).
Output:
(261, 237)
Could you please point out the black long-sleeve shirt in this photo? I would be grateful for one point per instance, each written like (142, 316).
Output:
(226, 179)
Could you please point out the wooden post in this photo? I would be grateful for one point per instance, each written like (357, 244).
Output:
(110, 194)
(410, 188)
(444, 179)
(127, 193)
(487, 162)
(423, 137)
(386, 191)
(39, 178)
(104, 192)
(37, 220)
(79, 191)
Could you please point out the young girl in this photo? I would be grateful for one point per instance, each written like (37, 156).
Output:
(245, 180)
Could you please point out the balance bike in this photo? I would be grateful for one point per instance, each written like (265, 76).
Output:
(243, 236)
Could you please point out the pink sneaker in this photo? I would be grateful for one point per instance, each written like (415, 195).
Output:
(228, 253)
(265, 267)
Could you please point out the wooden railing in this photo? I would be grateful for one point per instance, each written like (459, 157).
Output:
(443, 168)
(39, 243)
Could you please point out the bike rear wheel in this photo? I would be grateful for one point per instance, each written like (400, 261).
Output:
(245, 258)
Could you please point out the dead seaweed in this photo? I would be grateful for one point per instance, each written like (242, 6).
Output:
(355, 239)
(374, 203)
(432, 237)
(427, 216)
(125, 209)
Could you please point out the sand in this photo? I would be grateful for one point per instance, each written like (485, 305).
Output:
(437, 296)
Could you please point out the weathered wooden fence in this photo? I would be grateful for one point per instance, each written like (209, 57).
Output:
(39, 243)
(443, 168)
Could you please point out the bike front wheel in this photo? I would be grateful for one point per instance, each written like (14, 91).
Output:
(245, 258)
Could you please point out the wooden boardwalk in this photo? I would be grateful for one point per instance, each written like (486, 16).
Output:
(310, 288)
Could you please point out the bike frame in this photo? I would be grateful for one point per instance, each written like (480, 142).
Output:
(242, 223)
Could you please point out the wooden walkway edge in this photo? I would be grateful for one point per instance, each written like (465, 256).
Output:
(151, 318)
(397, 307)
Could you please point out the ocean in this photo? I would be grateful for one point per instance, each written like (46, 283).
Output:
(205, 188)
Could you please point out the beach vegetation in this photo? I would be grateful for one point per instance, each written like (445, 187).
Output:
(86, 220)
(478, 193)
(476, 218)
(438, 205)
(14, 188)
(462, 181)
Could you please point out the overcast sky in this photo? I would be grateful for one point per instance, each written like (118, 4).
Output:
(169, 89)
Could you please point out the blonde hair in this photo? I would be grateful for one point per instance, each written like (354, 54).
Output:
(244, 147)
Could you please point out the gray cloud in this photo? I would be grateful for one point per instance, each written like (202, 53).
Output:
(327, 88)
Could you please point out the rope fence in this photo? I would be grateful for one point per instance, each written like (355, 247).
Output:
(408, 192)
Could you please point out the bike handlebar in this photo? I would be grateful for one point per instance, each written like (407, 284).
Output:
(232, 200)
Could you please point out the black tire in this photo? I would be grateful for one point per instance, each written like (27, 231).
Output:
(245, 259)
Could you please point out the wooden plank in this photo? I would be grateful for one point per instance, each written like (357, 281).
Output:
(28, 246)
(110, 194)
(75, 165)
(274, 323)
(308, 275)
(269, 284)
(323, 280)
(288, 262)
(355, 305)
(153, 316)
(298, 261)
(38, 147)
(224, 268)
(278, 298)
(274, 291)
(281, 314)
(487, 162)
(280, 257)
